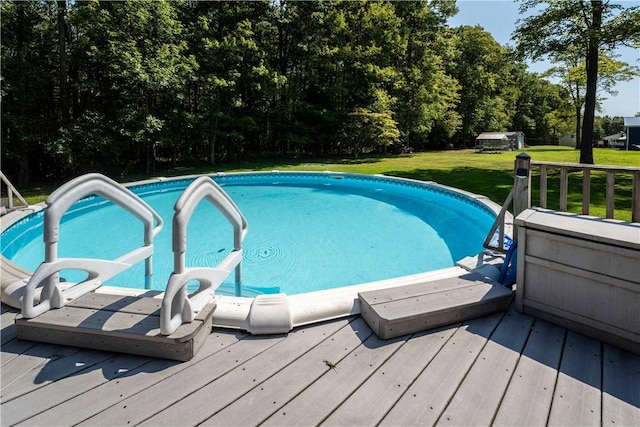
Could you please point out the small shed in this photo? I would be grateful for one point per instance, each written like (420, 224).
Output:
(632, 128)
(499, 141)
(568, 140)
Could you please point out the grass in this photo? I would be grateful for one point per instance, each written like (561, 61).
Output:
(488, 174)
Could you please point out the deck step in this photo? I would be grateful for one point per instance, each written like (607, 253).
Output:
(413, 308)
(124, 324)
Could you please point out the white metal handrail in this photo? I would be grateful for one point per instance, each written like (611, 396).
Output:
(47, 274)
(177, 306)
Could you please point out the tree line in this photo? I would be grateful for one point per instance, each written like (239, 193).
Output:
(121, 87)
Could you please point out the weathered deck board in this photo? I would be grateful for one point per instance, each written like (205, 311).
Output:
(367, 406)
(534, 378)
(469, 373)
(620, 387)
(236, 383)
(479, 395)
(93, 401)
(93, 376)
(335, 385)
(577, 397)
(426, 398)
(267, 397)
(170, 390)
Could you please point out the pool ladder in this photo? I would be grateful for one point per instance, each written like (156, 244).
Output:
(177, 305)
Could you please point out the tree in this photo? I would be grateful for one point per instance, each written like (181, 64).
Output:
(584, 27)
(483, 68)
(573, 77)
(364, 128)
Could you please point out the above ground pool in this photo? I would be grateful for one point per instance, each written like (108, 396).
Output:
(307, 231)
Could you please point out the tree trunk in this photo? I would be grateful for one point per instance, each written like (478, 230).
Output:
(62, 57)
(586, 150)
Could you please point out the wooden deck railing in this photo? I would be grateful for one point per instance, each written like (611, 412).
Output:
(520, 194)
(611, 172)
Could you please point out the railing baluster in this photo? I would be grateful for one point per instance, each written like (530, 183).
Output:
(611, 182)
(635, 198)
(586, 191)
(564, 188)
(543, 186)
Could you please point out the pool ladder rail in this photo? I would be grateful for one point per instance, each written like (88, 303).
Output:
(44, 290)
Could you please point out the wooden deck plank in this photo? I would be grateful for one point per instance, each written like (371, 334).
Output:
(577, 397)
(315, 403)
(258, 391)
(620, 387)
(96, 400)
(368, 406)
(37, 356)
(534, 378)
(58, 367)
(426, 398)
(7, 325)
(478, 397)
(170, 390)
(42, 399)
(14, 348)
(302, 384)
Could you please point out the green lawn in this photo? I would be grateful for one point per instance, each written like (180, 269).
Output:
(482, 173)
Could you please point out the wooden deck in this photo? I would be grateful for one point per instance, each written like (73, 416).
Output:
(504, 369)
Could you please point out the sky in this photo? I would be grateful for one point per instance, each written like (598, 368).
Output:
(499, 17)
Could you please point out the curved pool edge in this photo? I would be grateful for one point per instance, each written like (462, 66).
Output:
(281, 313)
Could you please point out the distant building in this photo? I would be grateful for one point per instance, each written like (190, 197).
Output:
(499, 141)
(618, 140)
(568, 140)
(632, 128)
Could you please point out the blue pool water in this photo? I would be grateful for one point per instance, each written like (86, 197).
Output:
(306, 231)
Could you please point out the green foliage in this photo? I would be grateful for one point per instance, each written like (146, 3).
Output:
(366, 129)
(125, 87)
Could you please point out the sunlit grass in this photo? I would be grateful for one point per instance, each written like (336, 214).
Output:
(489, 174)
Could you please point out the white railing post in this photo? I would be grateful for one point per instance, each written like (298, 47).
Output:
(522, 184)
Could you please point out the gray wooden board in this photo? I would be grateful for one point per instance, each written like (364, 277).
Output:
(440, 301)
(109, 323)
(42, 399)
(97, 399)
(418, 289)
(55, 369)
(148, 402)
(620, 387)
(577, 396)
(476, 400)
(8, 331)
(527, 400)
(426, 398)
(371, 402)
(37, 356)
(616, 233)
(312, 405)
(238, 383)
(271, 395)
(13, 349)
(120, 303)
